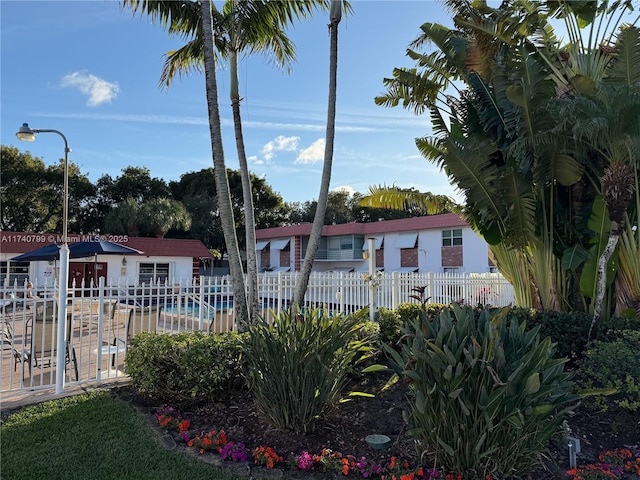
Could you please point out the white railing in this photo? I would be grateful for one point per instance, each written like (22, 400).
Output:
(98, 315)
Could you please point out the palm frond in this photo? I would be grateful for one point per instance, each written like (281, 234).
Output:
(401, 199)
(183, 61)
(624, 68)
(416, 93)
(431, 148)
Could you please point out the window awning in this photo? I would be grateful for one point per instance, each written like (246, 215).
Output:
(342, 269)
(407, 240)
(406, 269)
(377, 243)
(261, 245)
(279, 244)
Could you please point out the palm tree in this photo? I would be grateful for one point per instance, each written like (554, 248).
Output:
(241, 27)
(197, 15)
(492, 88)
(302, 281)
(124, 219)
(220, 169)
(162, 214)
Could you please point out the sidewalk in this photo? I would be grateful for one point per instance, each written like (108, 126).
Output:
(20, 398)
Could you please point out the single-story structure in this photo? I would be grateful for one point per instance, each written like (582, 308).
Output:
(161, 259)
(434, 243)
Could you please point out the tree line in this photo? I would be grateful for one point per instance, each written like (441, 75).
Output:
(136, 204)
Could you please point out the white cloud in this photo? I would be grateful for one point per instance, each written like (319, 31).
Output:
(98, 90)
(312, 154)
(255, 160)
(345, 188)
(279, 144)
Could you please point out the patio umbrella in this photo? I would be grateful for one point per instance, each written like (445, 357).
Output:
(48, 252)
(76, 250)
(90, 249)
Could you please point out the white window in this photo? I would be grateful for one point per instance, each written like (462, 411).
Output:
(452, 270)
(153, 272)
(452, 238)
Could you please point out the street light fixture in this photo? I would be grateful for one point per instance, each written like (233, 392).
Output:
(27, 134)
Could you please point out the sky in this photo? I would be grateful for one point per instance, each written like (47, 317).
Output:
(91, 70)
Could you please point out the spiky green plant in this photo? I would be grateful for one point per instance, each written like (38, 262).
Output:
(297, 367)
(487, 396)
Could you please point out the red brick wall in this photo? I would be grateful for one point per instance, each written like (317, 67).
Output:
(285, 258)
(380, 258)
(409, 257)
(452, 256)
(265, 261)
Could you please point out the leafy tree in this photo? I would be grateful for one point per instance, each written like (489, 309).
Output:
(153, 218)
(163, 214)
(196, 190)
(493, 86)
(31, 193)
(124, 219)
(136, 183)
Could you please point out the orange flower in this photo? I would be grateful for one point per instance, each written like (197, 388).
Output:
(184, 426)
(345, 469)
(392, 463)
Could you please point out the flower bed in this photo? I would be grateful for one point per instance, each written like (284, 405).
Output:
(615, 464)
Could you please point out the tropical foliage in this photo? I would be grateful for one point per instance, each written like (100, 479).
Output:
(487, 394)
(298, 366)
(541, 139)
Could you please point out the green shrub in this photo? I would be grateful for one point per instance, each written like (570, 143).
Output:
(186, 367)
(298, 367)
(612, 328)
(487, 397)
(615, 367)
(408, 312)
(390, 326)
(569, 330)
(520, 314)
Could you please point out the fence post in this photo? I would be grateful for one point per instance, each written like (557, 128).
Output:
(373, 291)
(395, 290)
(100, 329)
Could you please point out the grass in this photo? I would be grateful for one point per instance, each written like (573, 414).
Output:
(91, 436)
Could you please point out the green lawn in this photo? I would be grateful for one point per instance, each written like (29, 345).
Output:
(90, 437)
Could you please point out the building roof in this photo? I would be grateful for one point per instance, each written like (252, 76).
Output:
(429, 222)
(22, 242)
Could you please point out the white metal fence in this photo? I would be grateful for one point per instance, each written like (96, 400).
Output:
(102, 318)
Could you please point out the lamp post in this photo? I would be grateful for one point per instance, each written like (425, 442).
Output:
(27, 134)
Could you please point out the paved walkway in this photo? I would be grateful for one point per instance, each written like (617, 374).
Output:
(20, 398)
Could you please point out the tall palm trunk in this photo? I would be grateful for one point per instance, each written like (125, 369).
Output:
(617, 189)
(220, 170)
(247, 193)
(318, 220)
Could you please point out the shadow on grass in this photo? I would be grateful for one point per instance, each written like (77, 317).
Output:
(90, 436)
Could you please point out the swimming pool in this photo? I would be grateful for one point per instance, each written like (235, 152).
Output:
(193, 310)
